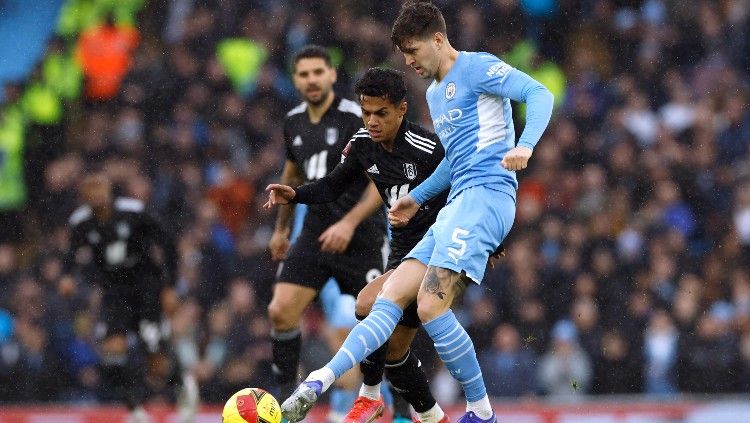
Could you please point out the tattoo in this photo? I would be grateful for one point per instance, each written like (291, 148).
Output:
(431, 284)
(439, 280)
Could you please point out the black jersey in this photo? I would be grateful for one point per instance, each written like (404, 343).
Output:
(121, 247)
(316, 150)
(416, 153)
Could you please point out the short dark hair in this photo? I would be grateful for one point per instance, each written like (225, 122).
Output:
(312, 51)
(417, 19)
(381, 82)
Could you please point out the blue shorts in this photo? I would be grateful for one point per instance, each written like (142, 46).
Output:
(467, 230)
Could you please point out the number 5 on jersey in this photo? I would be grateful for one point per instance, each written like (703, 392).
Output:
(457, 253)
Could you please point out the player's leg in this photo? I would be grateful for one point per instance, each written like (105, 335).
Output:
(163, 364)
(120, 367)
(466, 232)
(404, 370)
(399, 290)
(285, 310)
(340, 318)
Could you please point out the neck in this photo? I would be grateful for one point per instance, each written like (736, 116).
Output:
(446, 62)
(102, 214)
(315, 113)
(388, 144)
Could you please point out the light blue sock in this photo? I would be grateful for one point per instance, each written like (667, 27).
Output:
(341, 400)
(367, 336)
(456, 349)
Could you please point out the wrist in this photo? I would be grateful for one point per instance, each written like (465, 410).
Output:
(526, 145)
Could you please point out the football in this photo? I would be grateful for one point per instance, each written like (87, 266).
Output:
(251, 405)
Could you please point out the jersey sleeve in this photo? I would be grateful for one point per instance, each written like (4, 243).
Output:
(439, 181)
(288, 143)
(330, 187)
(493, 76)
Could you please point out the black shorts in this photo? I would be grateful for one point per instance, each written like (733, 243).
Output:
(307, 266)
(410, 318)
(125, 305)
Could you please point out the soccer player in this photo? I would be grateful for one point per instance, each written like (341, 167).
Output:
(341, 239)
(469, 102)
(120, 236)
(395, 154)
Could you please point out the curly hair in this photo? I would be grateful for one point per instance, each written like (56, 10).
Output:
(417, 19)
(381, 82)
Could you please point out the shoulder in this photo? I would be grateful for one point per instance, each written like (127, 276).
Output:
(417, 129)
(349, 106)
(301, 108)
(488, 65)
(131, 205)
(421, 139)
(356, 143)
(80, 215)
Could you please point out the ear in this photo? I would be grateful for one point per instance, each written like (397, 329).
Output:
(439, 39)
(335, 74)
(402, 108)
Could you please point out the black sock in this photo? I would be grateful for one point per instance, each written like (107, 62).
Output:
(286, 347)
(122, 381)
(373, 366)
(408, 380)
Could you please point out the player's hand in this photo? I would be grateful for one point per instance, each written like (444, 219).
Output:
(494, 257)
(279, 244)
(402, 211)
(279, 194)
(336, 238)
(517, 158)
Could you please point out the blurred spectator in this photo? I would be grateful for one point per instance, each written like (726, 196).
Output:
(660, 354)
(508, 367)
(565, 371)
(709, 360)
(105, 53)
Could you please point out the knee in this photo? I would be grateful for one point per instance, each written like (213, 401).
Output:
(280, 317)
(364, 304)
(427, 310)
(396, 350)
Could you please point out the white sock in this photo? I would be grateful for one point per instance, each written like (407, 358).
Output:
(371, 392)
(481, 408)
(433, 415)
(324, 375)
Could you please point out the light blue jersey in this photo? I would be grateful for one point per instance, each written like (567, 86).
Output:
(471, 112)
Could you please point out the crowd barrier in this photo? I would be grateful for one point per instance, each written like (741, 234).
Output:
(587, 411)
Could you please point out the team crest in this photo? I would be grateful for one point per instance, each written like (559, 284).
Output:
(450, 90)
(332, 135)
(410, 170)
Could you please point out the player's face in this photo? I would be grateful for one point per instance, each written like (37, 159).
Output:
(382, 118)
(422, 56)
(314, 79)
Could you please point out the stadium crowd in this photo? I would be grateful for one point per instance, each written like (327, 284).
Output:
(627, 271)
